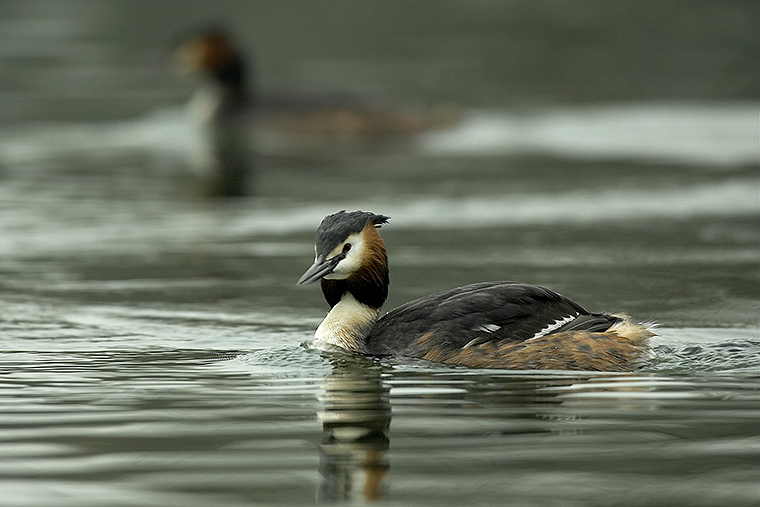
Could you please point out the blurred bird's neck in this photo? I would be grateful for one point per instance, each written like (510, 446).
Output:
(224, 95)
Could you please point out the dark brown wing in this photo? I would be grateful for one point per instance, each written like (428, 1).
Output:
(484, 311)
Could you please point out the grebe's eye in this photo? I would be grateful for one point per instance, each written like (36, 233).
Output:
(346, 247)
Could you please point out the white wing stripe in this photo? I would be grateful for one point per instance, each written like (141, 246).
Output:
(489, 328)
(551, 327)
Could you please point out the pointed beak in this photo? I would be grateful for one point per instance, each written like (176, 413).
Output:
(320, 268)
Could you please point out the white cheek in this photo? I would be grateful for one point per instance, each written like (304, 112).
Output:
(346, 267)
(351, 264)
(336, 274)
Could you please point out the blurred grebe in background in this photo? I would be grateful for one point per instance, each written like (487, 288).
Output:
(483, 325)
(221, 107)
(230, 108)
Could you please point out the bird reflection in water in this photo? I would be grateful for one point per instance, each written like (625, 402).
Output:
(356, 416)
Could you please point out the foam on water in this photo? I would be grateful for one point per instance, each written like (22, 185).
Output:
(708, 134)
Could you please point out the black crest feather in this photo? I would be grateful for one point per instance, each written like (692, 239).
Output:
(337, 227)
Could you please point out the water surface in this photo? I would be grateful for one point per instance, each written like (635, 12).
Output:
(151, 343)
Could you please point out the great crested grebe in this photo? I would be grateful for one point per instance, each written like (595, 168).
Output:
(483, 325)
(220, 108)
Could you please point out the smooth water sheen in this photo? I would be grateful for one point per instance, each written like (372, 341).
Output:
(150, 344)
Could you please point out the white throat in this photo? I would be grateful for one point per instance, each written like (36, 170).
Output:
(205, 104)
(347, 324)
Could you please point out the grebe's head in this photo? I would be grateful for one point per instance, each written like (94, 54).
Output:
(347, 243)
(208, 51)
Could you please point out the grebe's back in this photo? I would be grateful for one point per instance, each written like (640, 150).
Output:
(506, 325)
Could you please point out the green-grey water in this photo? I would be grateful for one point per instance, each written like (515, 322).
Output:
(150, 344)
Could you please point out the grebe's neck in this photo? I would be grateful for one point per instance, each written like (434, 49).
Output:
(348, 324)
(231, 77)
(355, 301)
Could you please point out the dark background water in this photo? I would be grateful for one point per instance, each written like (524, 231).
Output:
(149, 343)
(75, 59)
